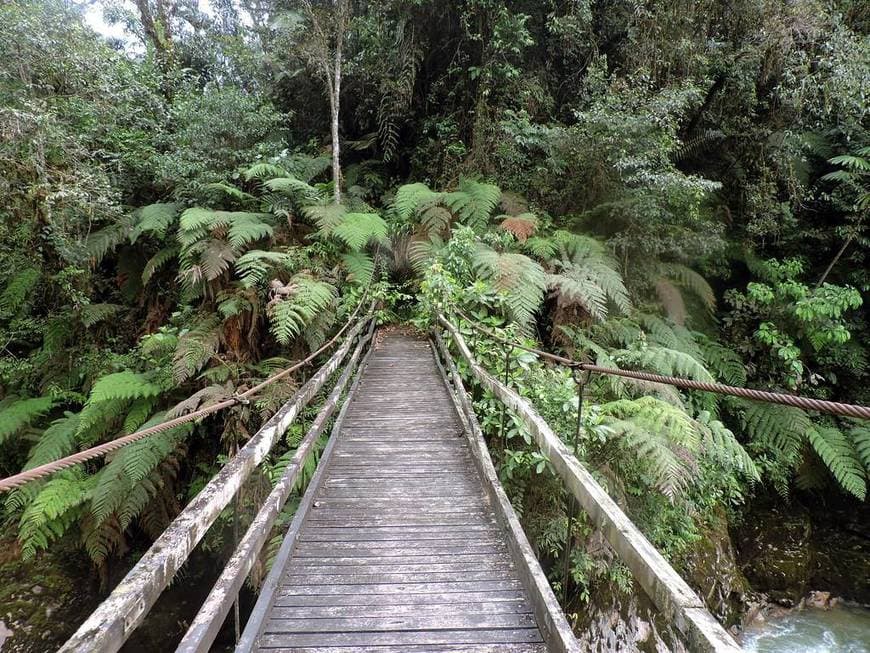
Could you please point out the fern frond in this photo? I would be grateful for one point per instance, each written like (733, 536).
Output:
(574, 287)
(473, 202)
(861, 440)
(54, 510)
(246, 228)
(838, 454)
(671, 299)
(724, 363)
(98, 244)
(57, 441)
(108, 397)
(17, 414)
(157, 261)
(662, 360)
(692, 281)
(91, 314)
(664, 438)
(325, 216)
(521, 280)
(253, 266)
(521, 226)
(294, 188)
(721, 444)
(290, 316)
(19, 289)
(360, 267)
(195, 348)
(542, 248)
(263, 170)
(222, 189)
(154, 219)
(357, 229)
(411, 196)
(778, 429)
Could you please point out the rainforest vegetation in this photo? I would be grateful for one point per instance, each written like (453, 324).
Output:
(193, 203)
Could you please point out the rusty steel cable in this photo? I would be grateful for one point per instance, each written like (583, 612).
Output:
(797, 401)
(97, 451)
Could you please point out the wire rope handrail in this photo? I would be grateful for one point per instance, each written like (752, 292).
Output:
(47, 469)
(107, 628)
(665, 587)
(797, 401)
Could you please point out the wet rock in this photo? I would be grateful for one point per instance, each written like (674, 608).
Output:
(5, 633)
(711, 568)
(778, 560)
(818, 600)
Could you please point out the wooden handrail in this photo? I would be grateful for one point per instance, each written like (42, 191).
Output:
(109, 626)
(665, 587)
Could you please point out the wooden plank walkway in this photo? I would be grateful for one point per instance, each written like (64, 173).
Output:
(396, 546)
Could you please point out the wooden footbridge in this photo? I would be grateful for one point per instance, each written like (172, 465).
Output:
(404, 540)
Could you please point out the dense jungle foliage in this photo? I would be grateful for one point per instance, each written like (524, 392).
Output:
(680, 188)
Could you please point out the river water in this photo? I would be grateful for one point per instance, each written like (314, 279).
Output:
(843, 629)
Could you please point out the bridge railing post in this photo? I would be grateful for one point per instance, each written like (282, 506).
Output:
(508, 352)
(579, 383)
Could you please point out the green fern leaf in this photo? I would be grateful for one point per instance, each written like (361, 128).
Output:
(691, 280)
(17, 414)
(196, 347)
(292, 315)
(253, 266)
(263, 170)
(521, 280)
(57, 441)
(54, 510)
(357, 229)
(861, 439)
(778, 429)
(154, 219)
(156, 262)
(19, 289)
(839, 455)
(360, 267)
(92, 314)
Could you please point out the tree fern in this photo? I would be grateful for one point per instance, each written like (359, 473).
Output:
(262, 170)
(520, 226)
(222, 189)
(55, 442)
(53, 511)
(98, 244)
(778, 429)
(92, 314)
(156, 262)
(411, 196)
(357, 229)
(154, 219)
(290, 316)
(16, 414)
(325, 216)
(840, 457)
(252, 267)
(521, 280)
(296, 189)
(18, 290)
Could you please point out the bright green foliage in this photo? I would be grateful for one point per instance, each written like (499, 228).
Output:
(16, 414)
(779, 429)
(58, 440)
(357, 229)
(253, 266)
(154, 219)
(290, 316)
(18, 289)
(521, 280)
(53, 511)
(195, 348)
(92, 314)
(840, 457)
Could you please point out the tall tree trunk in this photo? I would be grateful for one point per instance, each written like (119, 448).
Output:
(335, 100)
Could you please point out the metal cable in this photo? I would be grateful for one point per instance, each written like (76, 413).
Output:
(807, 403)
(47, 469)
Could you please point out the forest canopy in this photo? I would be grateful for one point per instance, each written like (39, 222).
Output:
(193, 203)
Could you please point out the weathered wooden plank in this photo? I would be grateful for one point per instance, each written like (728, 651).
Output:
(380, 577)
(372, 611)
(401, 588)
(665, 587)
(425, 648)
(402, 637)
(481, 563)
(419, 599)
(433, 621)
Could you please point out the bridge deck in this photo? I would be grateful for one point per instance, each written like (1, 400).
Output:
(396, 546)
